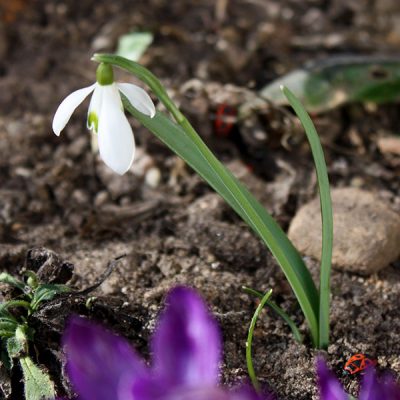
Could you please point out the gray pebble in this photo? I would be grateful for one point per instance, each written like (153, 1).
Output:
(366, 231)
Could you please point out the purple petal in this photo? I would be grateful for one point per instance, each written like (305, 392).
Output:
(372, 389)
(330, 388)
(186, 344)
(199, 393)
(145, 388)
(213, 393)
(246, 392)
(97, 360)
(150, 388)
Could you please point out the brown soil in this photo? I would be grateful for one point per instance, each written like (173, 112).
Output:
(56, 194)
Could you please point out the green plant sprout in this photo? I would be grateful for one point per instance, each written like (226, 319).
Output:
(278, 310)
(16, 336)
(249, 342)
(181, 138)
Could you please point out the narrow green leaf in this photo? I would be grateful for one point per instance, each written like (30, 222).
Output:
(5, 334)
(14, 303)
(38, 385)
(47, 292)
(326, 215)
(249, 359)
(6, 317)
(8, 325)
(10, 280)
(253, 213)
(278, 310)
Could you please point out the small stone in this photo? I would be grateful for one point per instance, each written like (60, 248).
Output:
(101, 198)
(389, 145)
(142, 163)
(153, 177)
(366, 231)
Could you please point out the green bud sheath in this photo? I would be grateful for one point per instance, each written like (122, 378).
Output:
(104, 74)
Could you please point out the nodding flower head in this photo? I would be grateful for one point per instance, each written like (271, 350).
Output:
(106, 116)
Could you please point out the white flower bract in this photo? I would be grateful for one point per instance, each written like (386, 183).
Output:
(106, 118)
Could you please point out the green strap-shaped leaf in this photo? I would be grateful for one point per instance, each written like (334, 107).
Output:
(253, 213)
(37, 383)
(249, 358)
(326, 215)
(278, 310)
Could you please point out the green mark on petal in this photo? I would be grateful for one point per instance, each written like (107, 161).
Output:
(104, 74)
(93, 121)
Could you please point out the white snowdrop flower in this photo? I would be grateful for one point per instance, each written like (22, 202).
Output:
(106, 116)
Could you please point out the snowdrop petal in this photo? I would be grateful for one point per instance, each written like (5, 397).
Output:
(116, 142)
(138, 98)
(187, 343)
(68, 106)
(97, 360)
(330, 388)
(95, 109)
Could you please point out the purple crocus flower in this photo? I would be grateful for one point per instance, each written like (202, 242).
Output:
(371, 388)
(186, 351)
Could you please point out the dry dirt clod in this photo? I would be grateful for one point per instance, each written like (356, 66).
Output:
(49, 266)
(366, 231)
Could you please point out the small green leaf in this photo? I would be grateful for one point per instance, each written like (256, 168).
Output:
(7, 327)
(14, 304)
(5, 333)
(296, 333)
(133, 45)
(7, 322)
(32, 279)
(249, 341)
(15, 348)
(10, 280)
(38, 385)
(47, 292)
(17, 345)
